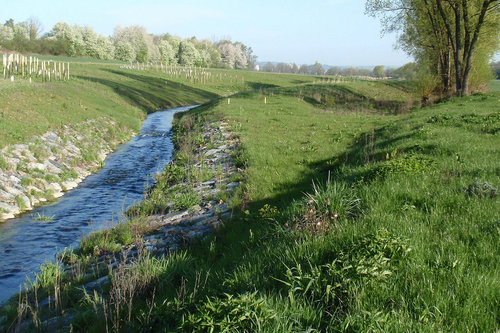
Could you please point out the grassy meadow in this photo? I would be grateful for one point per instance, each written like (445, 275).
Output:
(358, 210)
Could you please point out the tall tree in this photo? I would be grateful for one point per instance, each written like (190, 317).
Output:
(445, 34)
(34, 27)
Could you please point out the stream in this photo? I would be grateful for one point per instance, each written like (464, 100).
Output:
(97, 203)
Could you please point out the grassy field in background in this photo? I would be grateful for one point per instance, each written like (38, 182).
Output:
(359, 211)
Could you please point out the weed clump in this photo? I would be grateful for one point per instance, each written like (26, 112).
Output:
(481, 189)
(329, 204)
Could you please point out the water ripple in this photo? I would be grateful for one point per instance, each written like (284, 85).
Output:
(94, 205)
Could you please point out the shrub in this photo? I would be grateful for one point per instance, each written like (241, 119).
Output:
(241, 313)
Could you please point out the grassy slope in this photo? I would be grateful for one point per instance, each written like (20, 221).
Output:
(425, 253)
(94, 91)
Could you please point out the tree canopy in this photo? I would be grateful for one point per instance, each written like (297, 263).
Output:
(130, 44)
(448, 37)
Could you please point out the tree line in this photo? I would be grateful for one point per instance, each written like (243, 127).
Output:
(407, 71)
(129, 44)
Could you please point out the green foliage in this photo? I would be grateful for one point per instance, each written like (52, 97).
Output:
(185, 200)
(68, 174)
(446, 38)
(43, 218)
(3, 164)
(107, 241)
(408, 164)
(243, 313)
(172, 174)
(336, 200)
(269, 212)
(481, 123)
(407, 244)
(20, 203)
(26, 181)
(379, 71)
(50, 274)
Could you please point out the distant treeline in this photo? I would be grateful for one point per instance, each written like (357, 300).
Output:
(496, 69)
(407, 71)
(130, 44)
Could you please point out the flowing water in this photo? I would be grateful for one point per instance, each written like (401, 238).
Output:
(26, 242)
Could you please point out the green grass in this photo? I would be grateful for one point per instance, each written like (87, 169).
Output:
(419, 255)
(94, 91)
(357, 212)
(494, 85)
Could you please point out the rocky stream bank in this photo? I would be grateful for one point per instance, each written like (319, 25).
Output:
(57, 161)
(166, 232)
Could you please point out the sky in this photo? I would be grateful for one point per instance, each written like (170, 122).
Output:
(333, 32)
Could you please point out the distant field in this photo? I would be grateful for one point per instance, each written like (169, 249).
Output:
(494, 85)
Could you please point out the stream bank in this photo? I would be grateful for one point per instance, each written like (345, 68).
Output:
(209, 177)
(35, 173)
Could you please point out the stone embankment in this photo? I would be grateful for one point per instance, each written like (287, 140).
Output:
(170, 231)
(39, 171)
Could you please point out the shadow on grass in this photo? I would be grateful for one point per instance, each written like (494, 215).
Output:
(151, 93)
(343, 98)
(256, 86)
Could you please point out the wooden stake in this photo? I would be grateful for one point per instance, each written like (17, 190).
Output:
(4, 63)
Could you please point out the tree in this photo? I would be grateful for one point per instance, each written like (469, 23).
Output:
(21, 32)
(227, 54)
(70, 36)
(240, 61)
(233, 55)
(188, 54)
(143, 44)
(333, 71)
(446, 35)
(167, 52)
(6, 33)
(34, 27)
(317, 69)
(407, 71)
(124, 51)
(379, 71)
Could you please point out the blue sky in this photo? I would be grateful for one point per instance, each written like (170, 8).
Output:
(333, 32)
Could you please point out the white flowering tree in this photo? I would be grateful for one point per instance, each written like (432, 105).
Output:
(21, 31)
(124, 51)
(167, 53)
(6, 33)
(71, 37)
(233, 55)
(188, 54)
(143, 44)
